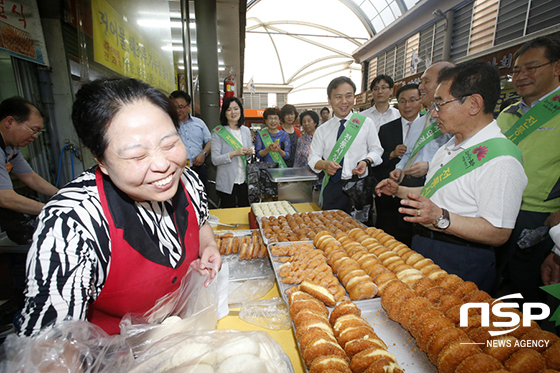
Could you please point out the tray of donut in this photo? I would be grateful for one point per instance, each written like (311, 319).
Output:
(304, 226)
(410, 321)
(245, 253)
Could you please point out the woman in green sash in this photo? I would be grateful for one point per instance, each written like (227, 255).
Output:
(272, 144)
(231, 143)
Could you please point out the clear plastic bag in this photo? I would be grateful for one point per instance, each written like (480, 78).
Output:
(69, 346)
(191, 307)
(248, 290)
(217, 351)
(268, 313)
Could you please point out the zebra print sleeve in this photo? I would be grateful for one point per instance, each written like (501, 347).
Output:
(195, 188)
(68, 261)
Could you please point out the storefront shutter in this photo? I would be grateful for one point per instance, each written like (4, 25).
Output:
(461, 32)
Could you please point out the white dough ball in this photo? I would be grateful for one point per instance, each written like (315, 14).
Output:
(244, 363)
(237, 346)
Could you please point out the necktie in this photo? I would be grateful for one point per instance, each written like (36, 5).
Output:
(407, 132)
(336, 177)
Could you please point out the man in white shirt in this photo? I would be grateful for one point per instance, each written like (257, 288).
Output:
(464, 217)
(413, 166)
(381, 112)
(364, 151)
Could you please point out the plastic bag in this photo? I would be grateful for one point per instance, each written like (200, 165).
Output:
(69, 346)
(360, 190)
(247, 290)
(191, 307)
(217, 351)
(268, 313)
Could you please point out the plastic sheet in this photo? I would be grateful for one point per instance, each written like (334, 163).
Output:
(191, 307)
(218, 351)
(269, 313)
(248, 290)
(70, 346)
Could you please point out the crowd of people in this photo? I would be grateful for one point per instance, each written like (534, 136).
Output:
(475, 194)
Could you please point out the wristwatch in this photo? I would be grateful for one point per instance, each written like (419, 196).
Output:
(443, 221)
(205, 154)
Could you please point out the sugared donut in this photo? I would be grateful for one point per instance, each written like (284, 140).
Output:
(411, 279)
(423, 284)
(552, 356)
(517, 333)
(363, 359)
(387, 276)
(391, 288)
(429, 269)
(376, 270)
(321, 347)
(429, 327)
(309, 304)
(472, 322)
(410, 307)
(420, 317)
(352, 347)
(479, 363)
(346, 307)
(442, 338)
(454, 314)
(323, 364)
(306, 325)
(414, 258)
(453, 354)
(380, 250)
(308, 315)
(384, 366)
(401, 267)
(434, 294)
(346, 321)
(357, 332)
(363, 290)
(525, 360)
(481, 334)
(422, 263)
(448, 301)
(449, 281)
(477, 296)
(314, 334)
(404, 256)
(541, 339)
(464, 288)
(394, 304)
(434, 275)
(501, 347)
(407, 272)
(392, 266)
(387, 254)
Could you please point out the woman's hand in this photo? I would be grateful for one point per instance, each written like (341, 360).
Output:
(274, 147)
(241, 151)
(209, 260)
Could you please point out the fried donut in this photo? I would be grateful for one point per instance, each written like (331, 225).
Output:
(552, 356)
(449, 281)
(401, 267)
(307, 304)
(319, 292)
(479, 363)
(481, 334)
(306, 325)
(525, 360)
(384, 366)
(453, 354)
(423, 284)
(411, 279)
(363, 359)
(422, 263)
(472, 322)
(462, 289)
(386, 276)
(477, 296)
(420, 317)
(363, 290)
(411, 306)
(434, 275)
(308, 315)
(517, 333)
(394, 264)
(395, 303)
(539, 335)
(346, 321)
(414, 258)
(390, 289)
(356, 332)
(354, 346)
(429, 269)
(454, 314)
(501, 347)
(314, 334)
(429, 327)
(447, 301)
(376, 270)
(406, 272)
(344, 308)
(321, 347)
(442, 338)
(323, 364)
(434, 294)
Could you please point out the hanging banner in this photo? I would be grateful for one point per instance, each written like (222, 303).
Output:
(118, 46)
(21, 33)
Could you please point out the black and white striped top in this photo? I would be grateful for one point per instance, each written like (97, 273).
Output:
(69, 259)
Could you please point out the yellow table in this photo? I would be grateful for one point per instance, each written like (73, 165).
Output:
(285, 338)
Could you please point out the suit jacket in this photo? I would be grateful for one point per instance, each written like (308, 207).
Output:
(390, 135)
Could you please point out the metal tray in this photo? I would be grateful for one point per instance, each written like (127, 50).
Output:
(291, 174)
(274, 202)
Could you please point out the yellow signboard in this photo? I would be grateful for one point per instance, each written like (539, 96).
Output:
(121, 48)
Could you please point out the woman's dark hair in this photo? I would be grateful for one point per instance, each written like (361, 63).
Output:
(99, 101)
(271, 111)
(312, 114)
(17, 107)
(225, 106)
(286, 110)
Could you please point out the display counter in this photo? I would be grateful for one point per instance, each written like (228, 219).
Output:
(295, 184)
(240, 217)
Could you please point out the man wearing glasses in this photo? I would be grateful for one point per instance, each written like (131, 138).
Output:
(470, 202)
(535, 76)
(195, 135)
(20, 124)
(381, 112)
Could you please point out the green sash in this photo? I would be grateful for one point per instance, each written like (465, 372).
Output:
(342, 145)
(428, 134)
(267, 141)
(468, 160)
(230, 140)
(536, 117)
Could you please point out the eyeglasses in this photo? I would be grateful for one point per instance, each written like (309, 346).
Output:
(438, 106)
(529, 70)
(412, 100)
(35, 132)
(182, 107)
(380, 88)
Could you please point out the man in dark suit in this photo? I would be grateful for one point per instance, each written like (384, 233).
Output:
(392, 137)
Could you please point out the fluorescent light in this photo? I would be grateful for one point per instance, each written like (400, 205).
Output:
(163, 24)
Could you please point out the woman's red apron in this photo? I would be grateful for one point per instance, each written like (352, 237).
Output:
(135, 283)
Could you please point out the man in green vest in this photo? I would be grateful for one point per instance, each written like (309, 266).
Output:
(470, 202)
(534, 125)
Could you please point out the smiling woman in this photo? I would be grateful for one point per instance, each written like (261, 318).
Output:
(124, 233)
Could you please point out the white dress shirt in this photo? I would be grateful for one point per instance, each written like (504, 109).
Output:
(380, 119)
(366, 144)
(492, 191)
